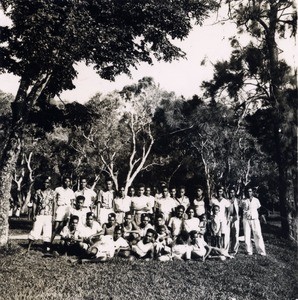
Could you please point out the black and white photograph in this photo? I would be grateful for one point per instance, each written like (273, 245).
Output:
(148, 150)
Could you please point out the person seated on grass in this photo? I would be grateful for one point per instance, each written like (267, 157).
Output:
(176, 223)
(107, 247)
(145, 224)
(109, 227)
(163, 244)
(92, 230)
(181, 249)
(144, 249)
(201, 250)
(130, 228)
(80, 210)
(121, 245)
(72, 238)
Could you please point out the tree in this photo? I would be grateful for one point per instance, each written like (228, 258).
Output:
(256, 74)
(217, 146)
(47, 38)
(120, 133)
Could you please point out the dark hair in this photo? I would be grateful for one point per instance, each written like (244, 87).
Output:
(192, 234)
(119, 227)
(189, 208)
(182, 237)
(152, 231)
(128, 213)
(179, 207)
(90, 213)
(73, 217)
(80, 197)
(141, 185)
(112, 215)
(203, 215)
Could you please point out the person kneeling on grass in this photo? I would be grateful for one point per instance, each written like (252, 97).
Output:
(72, 238)
(145, 247)
(201, 250)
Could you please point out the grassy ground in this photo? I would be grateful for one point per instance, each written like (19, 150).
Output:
(32, 276)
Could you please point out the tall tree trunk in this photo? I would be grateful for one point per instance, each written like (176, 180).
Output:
(8, 162)
(25, 99)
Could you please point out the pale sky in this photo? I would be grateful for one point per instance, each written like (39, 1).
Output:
(184, 77)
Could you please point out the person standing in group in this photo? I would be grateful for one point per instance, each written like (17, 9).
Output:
(105, 202)
(251, 223)
(165, 205)
(88, 193)
(43, 214)
(234, 222)
(64, 200)
(151, 200)
(199, 202)
(122, 204)
(182, 198)
(140, 205)
(223, 213)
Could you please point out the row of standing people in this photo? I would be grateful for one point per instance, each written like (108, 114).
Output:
(222, 216)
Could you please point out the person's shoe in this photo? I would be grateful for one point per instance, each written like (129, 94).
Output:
(249, 253)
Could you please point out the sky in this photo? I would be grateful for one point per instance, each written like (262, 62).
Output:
(209, 42)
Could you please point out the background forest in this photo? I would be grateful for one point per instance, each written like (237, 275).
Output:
(240, 131)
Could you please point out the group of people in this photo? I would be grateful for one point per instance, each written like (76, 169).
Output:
(164, 226)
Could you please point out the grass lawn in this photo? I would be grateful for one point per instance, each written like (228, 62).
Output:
(32, 276)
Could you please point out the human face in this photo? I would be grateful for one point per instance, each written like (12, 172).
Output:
(180, 213)
(80, 203)
(141, 191)
(220, 193)
(160, 221)
(191, 213)
(74, 224)
(165, 192)
(250, 193)
(89, 221)
(46, 184)
(148, 191)
(122, 192)
(173, 193)
(232, 193)
(216, 210)
(132, 191)
(146, 220)
(148, 237)
(117, 234)
(83, 183)
(66, 183)
(128, 219)
(199, 192)
(111, 220)
(109, 185)
(182, 192)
